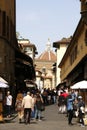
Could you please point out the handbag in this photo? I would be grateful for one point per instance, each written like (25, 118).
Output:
(82, 109)
(42, 107)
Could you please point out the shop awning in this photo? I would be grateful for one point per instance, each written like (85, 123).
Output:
(3, 80)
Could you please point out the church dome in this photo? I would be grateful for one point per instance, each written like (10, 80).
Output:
(48, 54)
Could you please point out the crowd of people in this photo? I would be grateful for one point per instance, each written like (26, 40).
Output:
(71, 103)
(29, 105)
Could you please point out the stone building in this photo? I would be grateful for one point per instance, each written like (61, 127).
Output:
(30, 50)
(7, 39)
(15, 66)
(74, 63)
(44, 63)
(12, 61)
(61, 47)
(27, 47)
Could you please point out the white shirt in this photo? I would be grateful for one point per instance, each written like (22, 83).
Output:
(9, 100)
(27, 102)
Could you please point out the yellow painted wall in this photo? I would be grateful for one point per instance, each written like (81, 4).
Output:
(66, 67)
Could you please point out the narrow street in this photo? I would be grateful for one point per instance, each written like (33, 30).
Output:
(51, 121)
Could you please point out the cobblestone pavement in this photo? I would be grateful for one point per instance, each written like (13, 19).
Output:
(51, 121)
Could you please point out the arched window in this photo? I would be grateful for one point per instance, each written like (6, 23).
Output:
(44, 69)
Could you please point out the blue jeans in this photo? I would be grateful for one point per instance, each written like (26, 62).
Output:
(38, 114)
(33, 113)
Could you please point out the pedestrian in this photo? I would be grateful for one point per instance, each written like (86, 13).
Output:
(33, 105)
(75, 107)
(8, 104)
(19, 107)
(27, 105)
(81, 107)
(61, 103)
(70, 108)
(39, 102)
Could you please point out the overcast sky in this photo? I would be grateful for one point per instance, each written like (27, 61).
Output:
(38, 20)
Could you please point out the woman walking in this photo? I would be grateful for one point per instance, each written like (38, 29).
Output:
(19, 107)
(39, 102)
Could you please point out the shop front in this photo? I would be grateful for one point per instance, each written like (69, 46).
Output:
(3, 87)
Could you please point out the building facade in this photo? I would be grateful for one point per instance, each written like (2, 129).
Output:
(27, 47)
(61, 47)
(74, 63)
(7, 39)
(12, 60)
(44, 63)
(15, 66)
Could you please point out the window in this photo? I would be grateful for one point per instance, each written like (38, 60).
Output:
(44, 69)
(4, 23)
(28, 49)
(7, 26)
(73, 55)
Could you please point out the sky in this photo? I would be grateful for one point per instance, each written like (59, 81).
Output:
(40, 20)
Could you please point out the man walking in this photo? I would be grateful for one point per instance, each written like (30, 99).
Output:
(27, 105)
(8, 103)
(70, 109)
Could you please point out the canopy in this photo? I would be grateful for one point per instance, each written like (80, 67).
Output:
(4, 85)
(80, 85)
(3, 80)
(30, 83)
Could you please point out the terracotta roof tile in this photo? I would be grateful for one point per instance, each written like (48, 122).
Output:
(47, 56)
